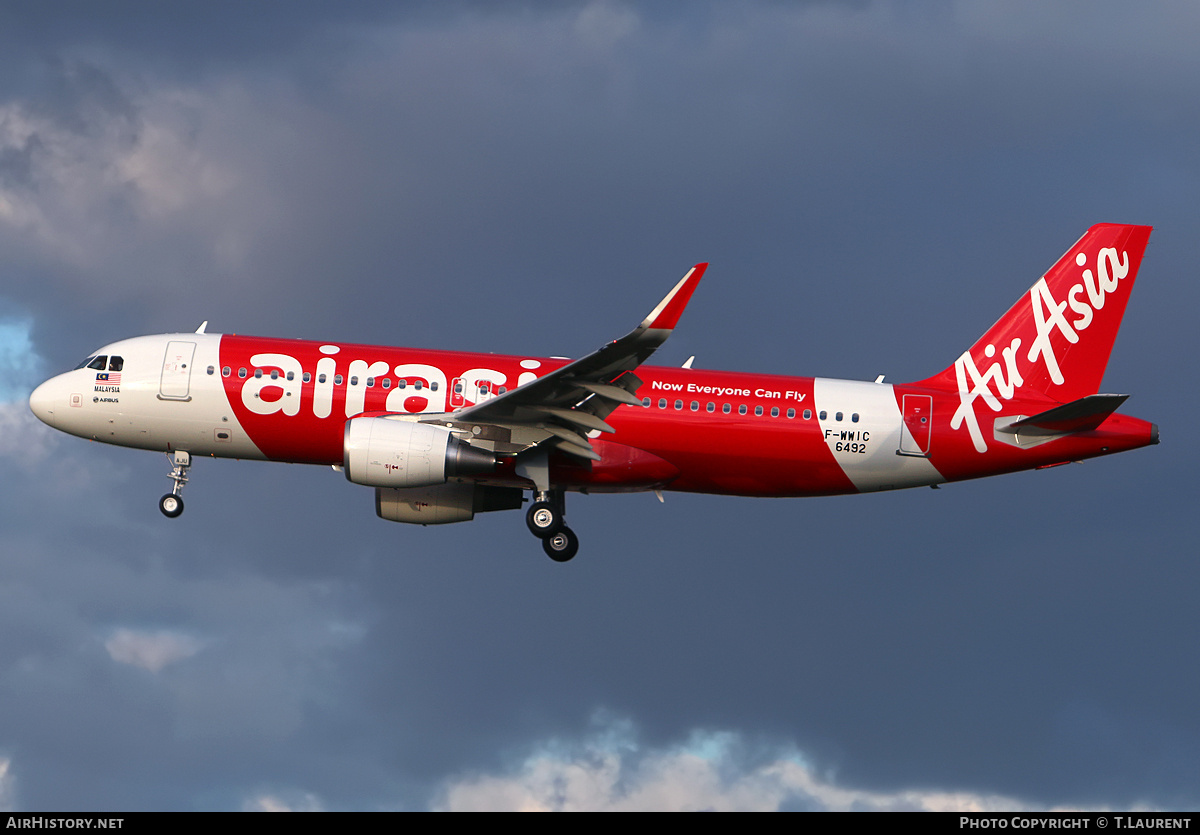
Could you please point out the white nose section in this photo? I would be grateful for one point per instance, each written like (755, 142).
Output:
(43, 402)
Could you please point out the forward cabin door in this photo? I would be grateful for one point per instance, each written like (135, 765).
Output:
(175, 382)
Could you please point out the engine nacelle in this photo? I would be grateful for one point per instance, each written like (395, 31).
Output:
(379, 452)
(443, 503)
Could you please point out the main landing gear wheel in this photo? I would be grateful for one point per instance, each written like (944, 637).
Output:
(544, 520)
(171, 505)
(561, 546)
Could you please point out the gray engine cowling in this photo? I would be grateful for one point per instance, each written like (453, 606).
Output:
(443, 503)
(379, 452)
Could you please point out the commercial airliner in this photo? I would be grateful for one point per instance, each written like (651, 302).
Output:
(442, 435)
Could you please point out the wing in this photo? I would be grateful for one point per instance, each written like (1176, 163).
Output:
(563, 406)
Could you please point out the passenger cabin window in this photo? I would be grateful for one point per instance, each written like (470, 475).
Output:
(758, 411)
(387, 382)
(695, 406)
(320, 378)
(211, 370)
(838, 417)
(225, 372)
(646, 402)
(275, 374)
(662, 402)
(370, 382)
(774, 411)
(726, 408)
(242, 373)
(354, 380)
(306, 377)
(742, 409)
(791, 413)
(679, 405)
(854, 418)
(337, 379)
(712, 407)
(821, 415)
(433, 386)
(808, 414)
(258, 373)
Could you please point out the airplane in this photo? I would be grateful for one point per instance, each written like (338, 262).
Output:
(442, 436)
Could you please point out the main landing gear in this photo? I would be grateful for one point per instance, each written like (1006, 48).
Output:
(545, 516)
(545, 521)
(171, 504)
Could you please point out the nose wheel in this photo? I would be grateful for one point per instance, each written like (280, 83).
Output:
(171, 504)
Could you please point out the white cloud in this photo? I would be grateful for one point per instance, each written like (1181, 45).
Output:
(8, 801)
(704, 774)
(22, 438)
(151, 650)
(275, 803)
(95, 187)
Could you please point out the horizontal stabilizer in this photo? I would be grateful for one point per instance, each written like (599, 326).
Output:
(1077, 416)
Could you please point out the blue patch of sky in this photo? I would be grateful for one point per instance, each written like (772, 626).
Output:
(20, 366)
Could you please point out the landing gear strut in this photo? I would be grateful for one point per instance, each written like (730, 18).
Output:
(171, 504)
(545, 516)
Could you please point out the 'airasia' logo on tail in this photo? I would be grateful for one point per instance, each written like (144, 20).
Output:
(1049, 315)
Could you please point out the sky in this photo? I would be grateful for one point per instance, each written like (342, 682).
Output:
(874, 183)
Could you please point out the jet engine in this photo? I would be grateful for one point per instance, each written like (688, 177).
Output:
(443, 503)
(379, 452)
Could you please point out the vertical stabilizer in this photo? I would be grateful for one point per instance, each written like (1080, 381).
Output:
(1057, 338)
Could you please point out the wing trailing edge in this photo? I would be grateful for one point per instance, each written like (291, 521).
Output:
(570, 401)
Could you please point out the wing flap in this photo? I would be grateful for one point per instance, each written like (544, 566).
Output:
(580, 451)
(583, 393)
(611, 392)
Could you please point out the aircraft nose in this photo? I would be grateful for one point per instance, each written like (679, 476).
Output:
(42, 402)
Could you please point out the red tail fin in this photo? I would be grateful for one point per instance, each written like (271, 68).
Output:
(1057, 337)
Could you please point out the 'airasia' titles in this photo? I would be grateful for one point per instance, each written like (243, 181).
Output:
(1085, 298)
(419, 387)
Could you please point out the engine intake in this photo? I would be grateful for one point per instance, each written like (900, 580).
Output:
(380, 452)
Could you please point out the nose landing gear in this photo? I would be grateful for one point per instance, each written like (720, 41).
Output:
(171, 504)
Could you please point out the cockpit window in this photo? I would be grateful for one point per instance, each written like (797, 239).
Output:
(115, 363)
(98, 363)
(84, 364)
